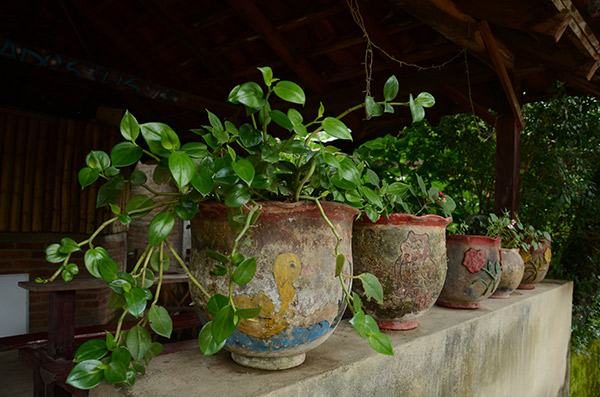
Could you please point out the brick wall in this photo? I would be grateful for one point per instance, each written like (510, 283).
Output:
(24, 253)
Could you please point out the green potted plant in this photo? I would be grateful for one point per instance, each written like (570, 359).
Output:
(403, 248)
(246, 180)
(509, 230)
(536, 254)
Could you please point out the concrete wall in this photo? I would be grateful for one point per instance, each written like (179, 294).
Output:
(508, 347)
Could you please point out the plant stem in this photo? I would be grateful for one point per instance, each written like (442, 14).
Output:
(311, 170)
(187, 271)
(157, 193)
(119, 325)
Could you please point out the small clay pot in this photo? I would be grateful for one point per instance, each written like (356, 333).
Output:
(512, 273)
(537, 263)
(407, 253)
(474, 271)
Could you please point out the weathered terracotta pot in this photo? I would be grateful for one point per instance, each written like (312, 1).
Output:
(537, 263)
(473, 271)
(512, 272)
(302, 301)
(407, 253)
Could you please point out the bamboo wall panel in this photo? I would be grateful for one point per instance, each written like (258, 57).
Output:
(39, 188)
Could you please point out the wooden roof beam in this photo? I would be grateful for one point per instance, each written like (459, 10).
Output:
(582, 35)
(461, 28)
(513, 101)
(468, 103)
(252, 15)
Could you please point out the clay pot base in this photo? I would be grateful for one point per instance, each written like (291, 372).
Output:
(500, 296)
(454, 305)
(398, 325)
(526, 286)
(268, 363)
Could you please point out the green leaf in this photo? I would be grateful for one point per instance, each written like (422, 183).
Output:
(160, 321)
(245, 271)
(68, 246)
(125, 153)
(136, 301)
(281, 119)
(372, 177)
(182, 167)
(186, 209)
(93, 258)
(249, 136)
(138, 342)
(349, 172)
(269, 154)
(111, 343)
(155, 261)
(250, 94)
(87, 176)
(227, 176)
(169, 140)
(216, 303)
(336, 128)
(93, 349)
(160, 227)
(202, 181)
(120, 286)
(397, 188)
(358, 322)
(372, 108)
(152, 134)
(290, 92)
(294, 116)
(122, 355)
(130, 129)
(97, 160)
(195, 149)
(373, 197)
(339, 264)
(425, 99)
(138, 178)
(387, 108)
(371, 286)
(206, 341)
(110, 191)
(115, 209)
(137, 203)
(223, 324)
(72, 268)
(108, 269)
(116, 372)
(116, 300)
(248, 313)
(381, 343)
(237, 196)
(244, 169)
(53, 254)
(267, 74)
(356, 302)
(422, 187)
(390, 88)
(214, 121)
(416, 110)
(86, 375)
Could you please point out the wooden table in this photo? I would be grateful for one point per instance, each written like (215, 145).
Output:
(47, 363)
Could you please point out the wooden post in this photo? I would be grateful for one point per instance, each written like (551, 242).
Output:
(508, 148)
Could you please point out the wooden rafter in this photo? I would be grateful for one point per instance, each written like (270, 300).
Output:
(469, 104)
(252, 15)
(513, 101)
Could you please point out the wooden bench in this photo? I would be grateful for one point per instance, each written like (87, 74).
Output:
(51, 364)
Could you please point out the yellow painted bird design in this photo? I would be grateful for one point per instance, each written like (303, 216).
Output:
(286, 270)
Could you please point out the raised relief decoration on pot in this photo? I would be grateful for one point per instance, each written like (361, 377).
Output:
(473, 260)
(415, 259)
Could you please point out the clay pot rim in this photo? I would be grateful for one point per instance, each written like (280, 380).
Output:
(474, 239)
(398, 219)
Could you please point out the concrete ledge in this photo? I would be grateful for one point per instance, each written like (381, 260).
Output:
(508, 347)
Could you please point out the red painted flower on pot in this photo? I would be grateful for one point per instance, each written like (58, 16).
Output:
(473, 260)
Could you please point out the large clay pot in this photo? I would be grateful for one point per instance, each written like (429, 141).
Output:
(512, 273)
(473, 271)
(407, 253)
(302, 301)
(537, 263)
